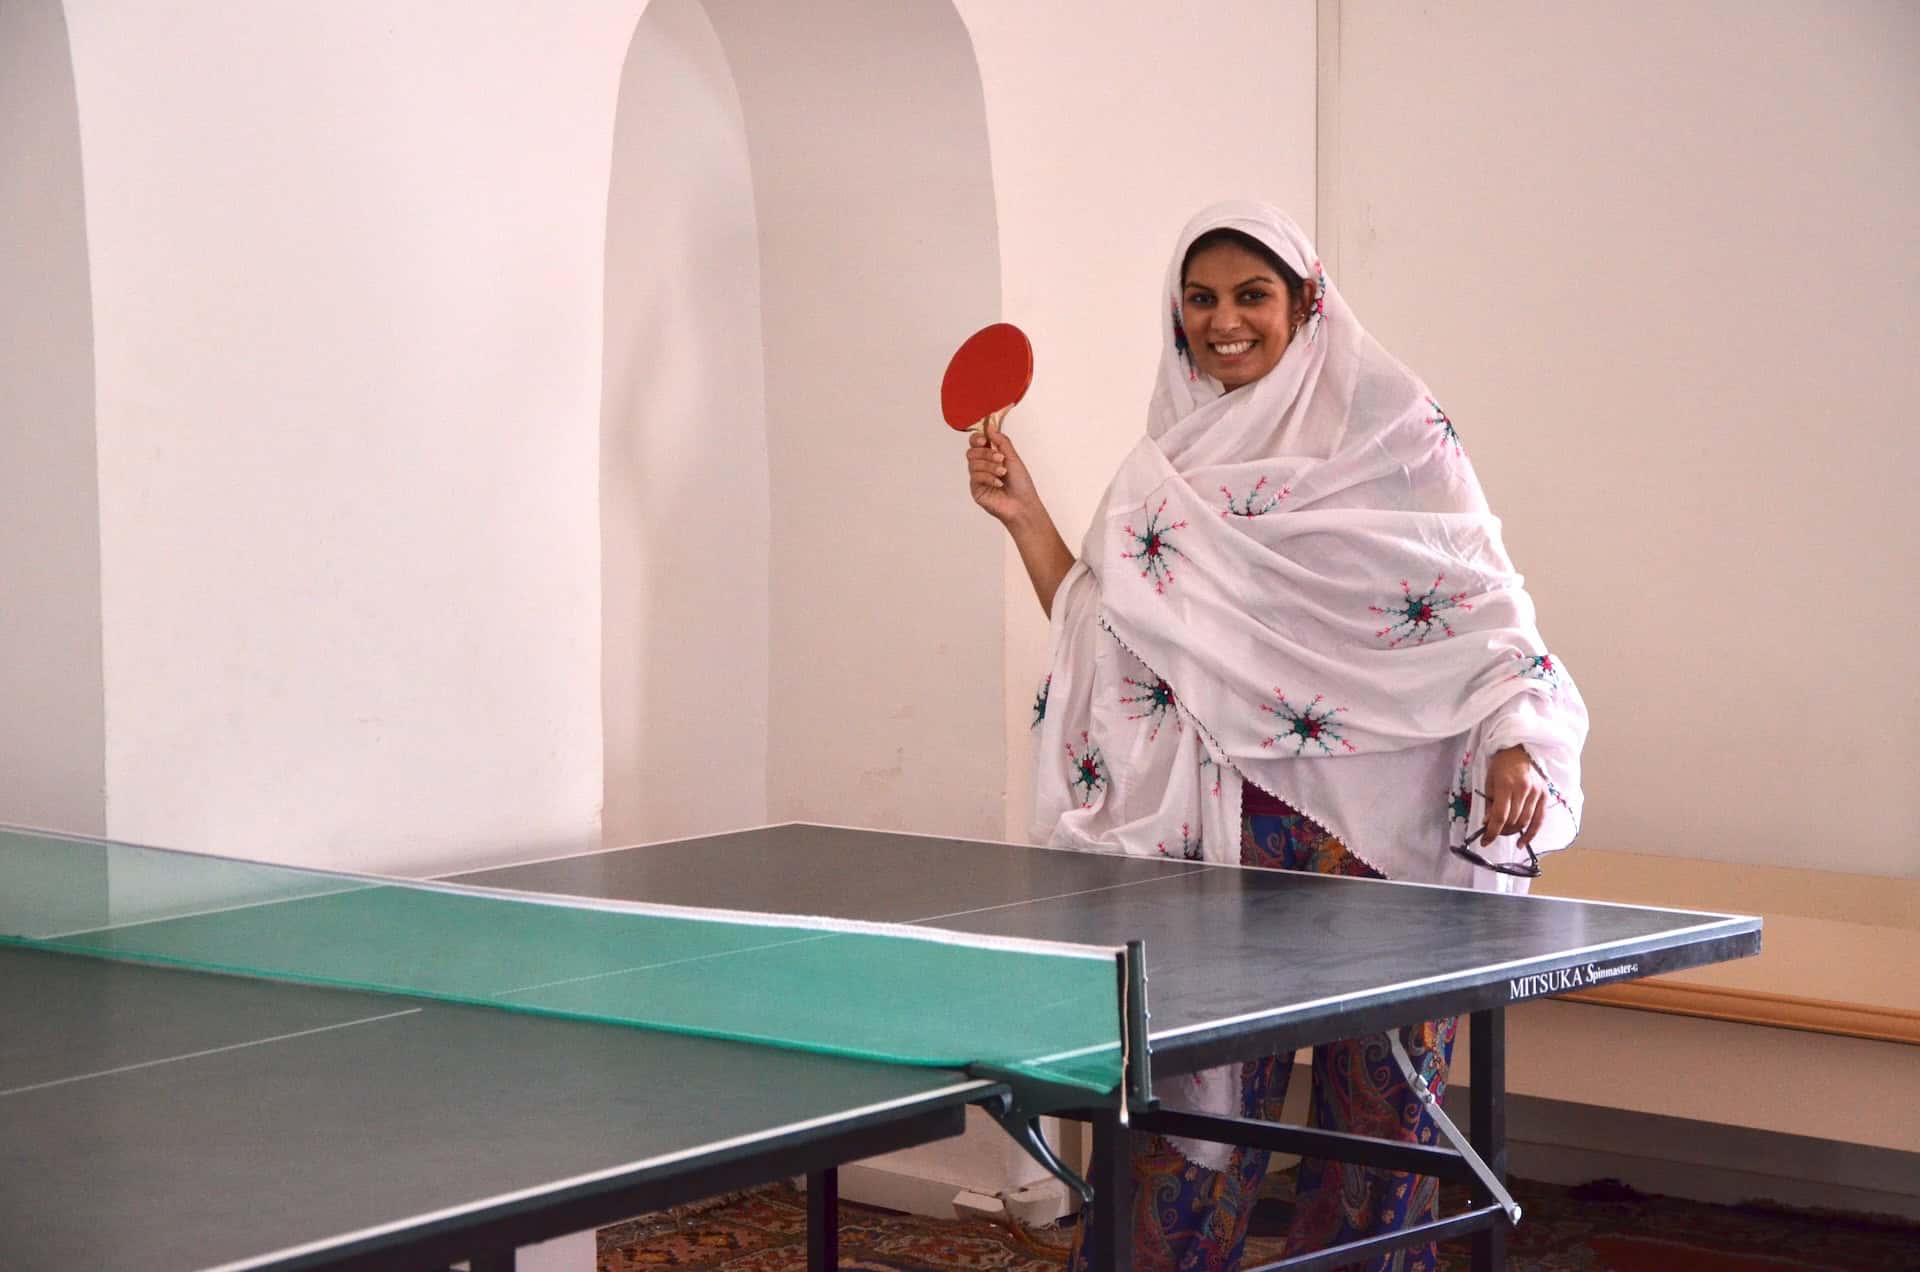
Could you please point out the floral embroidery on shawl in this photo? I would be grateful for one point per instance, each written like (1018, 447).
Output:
(1090, 770)
(1319, 302)
(1155, 702)
(1190, 845)
(1255, 504)
(1542, 667)
(1153, 549)
(1181, 348)
(1460, 801)
(1417, 616)
(1447, 430)
(1308, 726)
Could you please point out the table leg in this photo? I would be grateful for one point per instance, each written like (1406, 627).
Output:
(1109, 1241)
(823, 1220)
(1487, 1080)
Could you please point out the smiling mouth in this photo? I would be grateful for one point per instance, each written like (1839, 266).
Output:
(1233, 349)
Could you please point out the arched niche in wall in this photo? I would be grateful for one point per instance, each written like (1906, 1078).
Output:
(683, 460)
(52, 754)
(803, 609)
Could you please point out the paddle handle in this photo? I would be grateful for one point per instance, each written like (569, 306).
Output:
(993, 421)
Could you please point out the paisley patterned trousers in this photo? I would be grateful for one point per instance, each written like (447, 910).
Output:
(1189, 1218)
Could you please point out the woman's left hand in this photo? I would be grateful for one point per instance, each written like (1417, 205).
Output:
(1516, 796)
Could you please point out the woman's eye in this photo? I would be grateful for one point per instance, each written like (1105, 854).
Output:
(1200, 298)
(1252, 296)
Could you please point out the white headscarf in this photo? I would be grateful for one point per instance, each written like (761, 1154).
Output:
(1297, 584)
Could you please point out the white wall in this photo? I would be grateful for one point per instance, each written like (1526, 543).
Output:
(1660, 264)
(683, 457)
(1110, 130)
(349, 280)
(52, 705)
(346, 330)
(347, 276)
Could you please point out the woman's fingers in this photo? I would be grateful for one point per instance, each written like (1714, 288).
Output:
(986, 465)
(1002, 445)
(1526, 810)
(1516, 801)
(1533, 822)
(1519, 811)
(985, 456)
(1497, 800)
(1509, 806)
(985, 472)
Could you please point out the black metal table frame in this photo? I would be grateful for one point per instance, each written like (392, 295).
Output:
(489, 1245)
(1484, 1220)
(1111, 1174)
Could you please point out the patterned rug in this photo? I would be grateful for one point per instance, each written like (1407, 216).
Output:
(1598, 1227)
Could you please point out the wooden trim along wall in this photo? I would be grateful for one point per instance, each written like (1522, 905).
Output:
(1758, 1007)
(1822, 928)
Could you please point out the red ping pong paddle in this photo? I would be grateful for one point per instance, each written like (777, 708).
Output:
(987, 377)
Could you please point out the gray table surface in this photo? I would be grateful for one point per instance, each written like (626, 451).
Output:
(1235, 957)
(157, 1119)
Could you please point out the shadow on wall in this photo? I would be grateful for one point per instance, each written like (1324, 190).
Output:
(800, 226)
(683, 461)
(52, 772)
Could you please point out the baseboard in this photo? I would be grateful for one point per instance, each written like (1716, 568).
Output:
(1036, 1204)
(1560, 1142)
(1557, 1142)
(575, 1252)
(1760, 1007)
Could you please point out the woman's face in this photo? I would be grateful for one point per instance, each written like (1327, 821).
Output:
(1237, 314)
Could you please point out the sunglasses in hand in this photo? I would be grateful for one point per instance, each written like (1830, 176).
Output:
(1528, 869)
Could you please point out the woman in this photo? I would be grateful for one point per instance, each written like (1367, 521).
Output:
(1292, 639)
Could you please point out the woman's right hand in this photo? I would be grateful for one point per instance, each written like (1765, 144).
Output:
(1000, 484)
(998, 478)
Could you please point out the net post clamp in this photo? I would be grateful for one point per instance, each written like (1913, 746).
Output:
(1024, 1126)
(1136, 1055)
(1018, 1110)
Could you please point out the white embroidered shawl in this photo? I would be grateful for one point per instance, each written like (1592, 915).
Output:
(1297, 584)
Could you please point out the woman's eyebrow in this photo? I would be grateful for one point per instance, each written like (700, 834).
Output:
(1257, 278)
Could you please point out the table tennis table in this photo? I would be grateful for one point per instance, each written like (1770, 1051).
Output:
(166, 1119)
